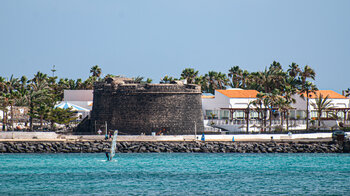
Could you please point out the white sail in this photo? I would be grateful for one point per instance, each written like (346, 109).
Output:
(114, 144)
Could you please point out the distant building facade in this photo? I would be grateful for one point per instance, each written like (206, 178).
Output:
(339, 103)
(239, 99)
(231, 98)
(82, 98)
(227, 110)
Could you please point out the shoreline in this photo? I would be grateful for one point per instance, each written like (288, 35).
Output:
(265, 137)
(50, 142)
(173, 147)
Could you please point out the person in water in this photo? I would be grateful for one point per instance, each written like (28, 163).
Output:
(108, 157)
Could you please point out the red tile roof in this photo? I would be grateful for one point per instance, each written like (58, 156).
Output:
(239, 93)
(330, 93)
(208, 96)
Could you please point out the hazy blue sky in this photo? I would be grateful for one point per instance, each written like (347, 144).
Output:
(158, 37)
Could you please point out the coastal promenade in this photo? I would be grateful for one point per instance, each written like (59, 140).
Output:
(51, 136)
(49, 142)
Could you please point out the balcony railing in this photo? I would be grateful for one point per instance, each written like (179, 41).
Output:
(257, 125)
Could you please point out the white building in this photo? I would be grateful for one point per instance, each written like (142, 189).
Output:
(79, 100)
(231, 98)
(339, 104)
(226, 109)
(82, 98)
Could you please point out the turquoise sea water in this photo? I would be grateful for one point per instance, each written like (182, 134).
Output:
(175, 174)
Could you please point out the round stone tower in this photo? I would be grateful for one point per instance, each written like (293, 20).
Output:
(135, 108)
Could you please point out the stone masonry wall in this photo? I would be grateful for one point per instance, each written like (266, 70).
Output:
(169, 147)
(145, 108)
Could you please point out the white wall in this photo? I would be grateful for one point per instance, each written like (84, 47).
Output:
(82, 98)
(300, 105)
(222, 101)
(27, 135)
(240, 102)
(78, 95)
(8, 113)
(215, 104)
(336, 103)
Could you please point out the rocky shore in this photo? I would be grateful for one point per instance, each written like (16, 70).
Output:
(173, 147)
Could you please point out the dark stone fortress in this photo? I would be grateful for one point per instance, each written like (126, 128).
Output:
(134, 108)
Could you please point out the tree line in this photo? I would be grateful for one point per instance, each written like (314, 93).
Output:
(40, 93)
(275, 85)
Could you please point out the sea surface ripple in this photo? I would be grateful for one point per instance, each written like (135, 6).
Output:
(175, 174)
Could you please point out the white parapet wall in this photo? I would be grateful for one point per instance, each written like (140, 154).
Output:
(266, 137)
(28, 135)
(51, 136)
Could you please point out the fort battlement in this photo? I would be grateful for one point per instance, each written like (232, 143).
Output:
(135, 108)
(179, 87)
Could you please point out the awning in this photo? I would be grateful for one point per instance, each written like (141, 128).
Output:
(66, 105)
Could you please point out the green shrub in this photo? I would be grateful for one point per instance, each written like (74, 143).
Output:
(345, 129)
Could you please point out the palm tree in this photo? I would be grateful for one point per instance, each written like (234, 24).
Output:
(263, 79)
(278, 80)
(222, 80)
(308, 72)
(23, 81)
(321, 104)
(72, 84)
(272, 100)
(201, 80)
(306, 89)
(22, 91)
(166, 79)
(252, 81)
(347, 93)
(12, 85)
(283, 107)
(39, 77)
(235, 73)
(276, 65)
(96, 71)
(138, 79)
(9, 96)
(4, 102)
(42, 110)
(79, 84)
(289, 90)
(262, 103)
(245, 79)
(3, 86)
(36, 93)
(294, 70)
(89, 83)
(189, 74)
(211, 81)
(247, 112)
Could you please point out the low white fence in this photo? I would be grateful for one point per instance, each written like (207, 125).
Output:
(256, 125)
(28, 135)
